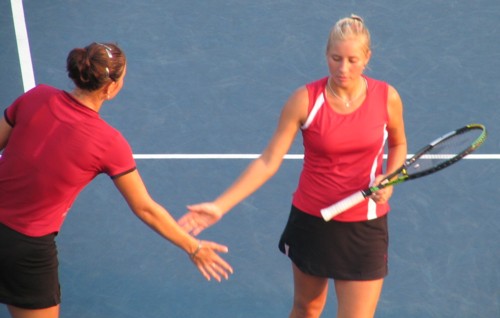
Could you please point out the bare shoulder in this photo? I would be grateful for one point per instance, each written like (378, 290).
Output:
(297, 104)
(393, 96)
(394, 102)
(395, 111)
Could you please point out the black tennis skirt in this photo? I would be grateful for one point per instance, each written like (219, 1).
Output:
(28, 270)
(338, 250)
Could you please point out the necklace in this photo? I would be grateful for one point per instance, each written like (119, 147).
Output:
(347, 103)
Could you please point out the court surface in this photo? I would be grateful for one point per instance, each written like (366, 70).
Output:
(210, 77)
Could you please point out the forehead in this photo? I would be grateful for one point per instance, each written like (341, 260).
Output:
(353, 46)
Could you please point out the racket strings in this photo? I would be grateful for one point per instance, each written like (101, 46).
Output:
(445, 152)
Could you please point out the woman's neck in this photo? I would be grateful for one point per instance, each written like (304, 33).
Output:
(92, 100)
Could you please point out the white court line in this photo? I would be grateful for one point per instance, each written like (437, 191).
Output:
(254, 156)
(23, 46)
(28, 76)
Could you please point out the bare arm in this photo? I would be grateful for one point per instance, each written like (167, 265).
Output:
(155, 216)
(263, 168)
(259, 171)
(397, 147)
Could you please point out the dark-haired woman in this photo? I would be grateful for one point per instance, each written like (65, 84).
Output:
(54, 143)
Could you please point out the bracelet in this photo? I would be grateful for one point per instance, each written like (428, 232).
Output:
(198, 248)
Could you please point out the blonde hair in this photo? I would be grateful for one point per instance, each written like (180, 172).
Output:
(347, 28)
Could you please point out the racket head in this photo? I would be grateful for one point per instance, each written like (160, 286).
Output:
(445, 151)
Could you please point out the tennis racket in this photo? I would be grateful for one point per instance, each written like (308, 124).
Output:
(439, 154)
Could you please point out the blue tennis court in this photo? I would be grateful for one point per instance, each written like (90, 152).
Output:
(210, 77)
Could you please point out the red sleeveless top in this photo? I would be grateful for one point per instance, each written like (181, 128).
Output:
(343, 153)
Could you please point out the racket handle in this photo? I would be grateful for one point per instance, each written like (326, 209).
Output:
(344, 204)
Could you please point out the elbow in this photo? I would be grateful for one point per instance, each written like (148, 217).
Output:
(271, 166)
(143, 212)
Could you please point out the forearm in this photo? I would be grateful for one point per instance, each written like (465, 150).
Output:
(158, 219)
(396, 156)
(204, 256)
(202, 253)
(154, 215)
(257, 173)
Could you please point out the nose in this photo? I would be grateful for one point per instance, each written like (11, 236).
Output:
(343, 67)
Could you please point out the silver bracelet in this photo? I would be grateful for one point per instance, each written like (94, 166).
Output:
(198, 248)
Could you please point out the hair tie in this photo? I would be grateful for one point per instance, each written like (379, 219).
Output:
(357, 18)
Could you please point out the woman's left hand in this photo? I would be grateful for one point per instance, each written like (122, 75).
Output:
(382, 195)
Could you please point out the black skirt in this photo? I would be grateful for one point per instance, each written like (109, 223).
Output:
(28, 270)
(338, 250)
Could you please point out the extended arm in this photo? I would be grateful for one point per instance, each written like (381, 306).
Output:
(155, 216)
(294, 113)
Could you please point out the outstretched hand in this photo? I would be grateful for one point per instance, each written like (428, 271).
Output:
(199, 217)
(209, 263)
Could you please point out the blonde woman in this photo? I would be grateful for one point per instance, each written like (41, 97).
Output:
(347, 120)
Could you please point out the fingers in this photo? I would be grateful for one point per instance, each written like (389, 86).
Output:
(218, 267)
(210, 264)
(216, 247)
(191, 224)
(199, 217)
(217, 270)
(195, 223)
(196, 207)
(207, 209)
(382, 196)
(376, 197)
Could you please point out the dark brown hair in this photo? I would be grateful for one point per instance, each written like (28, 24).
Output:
(92, 67)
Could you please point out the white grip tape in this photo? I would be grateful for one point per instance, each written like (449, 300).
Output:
(339, 207)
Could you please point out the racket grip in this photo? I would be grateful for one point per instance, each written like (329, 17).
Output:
(344, 204)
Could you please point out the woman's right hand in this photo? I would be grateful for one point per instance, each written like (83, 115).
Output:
(208, 262)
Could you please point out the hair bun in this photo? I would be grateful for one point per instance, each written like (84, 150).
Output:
(92, 67)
